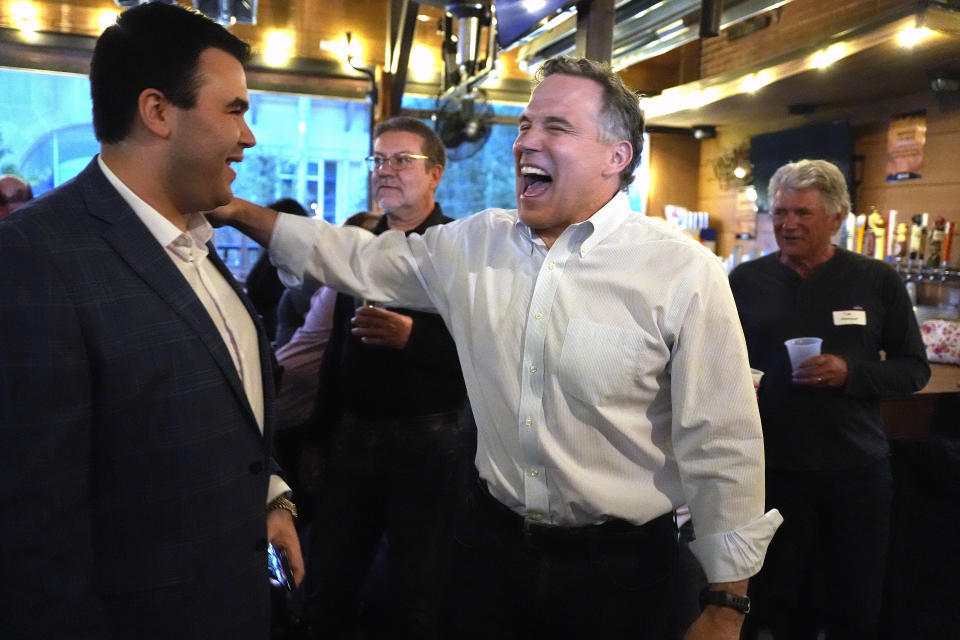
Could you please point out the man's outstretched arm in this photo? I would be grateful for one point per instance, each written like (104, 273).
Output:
(250, 219)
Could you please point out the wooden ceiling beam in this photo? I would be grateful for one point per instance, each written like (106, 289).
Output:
(594, 37)
(401, 26)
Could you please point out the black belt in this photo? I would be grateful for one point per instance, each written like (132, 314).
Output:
(613, 531)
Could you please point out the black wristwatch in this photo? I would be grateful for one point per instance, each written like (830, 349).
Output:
(724, 599)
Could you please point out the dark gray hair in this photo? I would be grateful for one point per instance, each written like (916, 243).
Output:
(621, 117)
(821, 175)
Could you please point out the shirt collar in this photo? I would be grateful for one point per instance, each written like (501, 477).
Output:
(593, 230)
(436, 217)
(605, 221)
(198, 232)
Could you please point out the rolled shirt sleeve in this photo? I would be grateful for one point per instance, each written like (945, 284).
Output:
(717, 434)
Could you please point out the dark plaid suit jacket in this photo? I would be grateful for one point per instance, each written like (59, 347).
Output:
(133, 476)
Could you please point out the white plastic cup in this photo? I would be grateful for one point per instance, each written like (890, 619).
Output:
(801, 349)
(757, 376)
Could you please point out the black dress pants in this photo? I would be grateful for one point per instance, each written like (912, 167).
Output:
(388, 493)
(609, 581)
(825, 566)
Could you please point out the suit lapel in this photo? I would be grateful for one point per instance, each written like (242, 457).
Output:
(263, 342)
(134, 243)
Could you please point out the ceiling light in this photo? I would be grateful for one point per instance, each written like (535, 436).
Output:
(25, 17)
(826, 57)
(279, 48)
(912, 35)
(755, 81)
(421, 64)
(704, 131)
(342, 49)
(532, 6)
(702, 98)
(106, 18)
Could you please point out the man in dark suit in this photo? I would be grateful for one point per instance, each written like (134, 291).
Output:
(137, 491)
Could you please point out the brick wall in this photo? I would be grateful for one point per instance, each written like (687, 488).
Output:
(796, 25)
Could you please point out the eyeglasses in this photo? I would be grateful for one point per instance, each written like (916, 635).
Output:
(397, 162)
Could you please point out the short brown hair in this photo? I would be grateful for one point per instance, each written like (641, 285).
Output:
(621, 117)
(432, 146)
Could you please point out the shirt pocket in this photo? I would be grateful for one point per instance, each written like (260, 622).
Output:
(598, 362)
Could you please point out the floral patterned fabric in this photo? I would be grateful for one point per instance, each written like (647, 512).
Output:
(942, 338)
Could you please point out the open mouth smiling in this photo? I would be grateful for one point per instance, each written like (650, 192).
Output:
(534, 180)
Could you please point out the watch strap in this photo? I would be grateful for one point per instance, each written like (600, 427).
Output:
(724, 599)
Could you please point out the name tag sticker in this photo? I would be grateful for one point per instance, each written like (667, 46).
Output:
(852, 316)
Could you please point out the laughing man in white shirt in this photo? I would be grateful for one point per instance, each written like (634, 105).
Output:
(606, 369)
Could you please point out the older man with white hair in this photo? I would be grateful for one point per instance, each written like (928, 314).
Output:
(828, 470)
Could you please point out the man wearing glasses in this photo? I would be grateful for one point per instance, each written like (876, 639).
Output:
(390, 403)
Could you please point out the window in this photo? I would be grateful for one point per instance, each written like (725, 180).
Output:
(330, 170)
(485, 179)
(46, 133)
(308, 148)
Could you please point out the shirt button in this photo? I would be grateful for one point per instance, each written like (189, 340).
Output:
(536, 516)
(533, 368)
(528, 422)
(534, 473)
(551, 266)
(256, 467)
(538, 315)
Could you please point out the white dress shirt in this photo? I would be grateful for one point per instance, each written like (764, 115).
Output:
(608, 375)
(188, 251)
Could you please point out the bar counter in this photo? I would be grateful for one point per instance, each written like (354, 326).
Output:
(934, 410)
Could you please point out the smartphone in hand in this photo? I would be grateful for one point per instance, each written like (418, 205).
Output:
(279, 567)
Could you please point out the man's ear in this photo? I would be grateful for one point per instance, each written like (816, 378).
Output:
(839, 223)
(621, 153)
(155, 112)
(436, 172)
